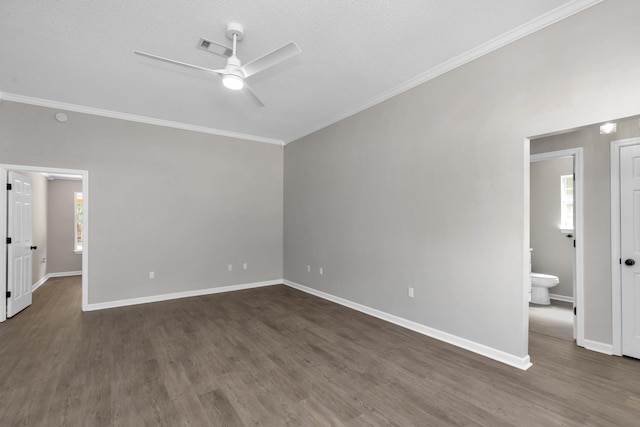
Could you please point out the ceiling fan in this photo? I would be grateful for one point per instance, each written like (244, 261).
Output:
(234, 74)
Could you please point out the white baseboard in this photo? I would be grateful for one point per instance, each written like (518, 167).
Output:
(598, 346)
(50, 275)
(561, 298)
(39, 282)
(65, 273)
(177, 295)
(523, 363)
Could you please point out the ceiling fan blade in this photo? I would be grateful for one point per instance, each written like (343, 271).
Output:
(171, 61)
(251, 94)
(270, 59)
(215, 47)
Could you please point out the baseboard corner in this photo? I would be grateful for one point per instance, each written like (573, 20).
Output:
(39, 282)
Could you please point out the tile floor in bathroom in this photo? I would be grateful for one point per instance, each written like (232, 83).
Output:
(555, 320)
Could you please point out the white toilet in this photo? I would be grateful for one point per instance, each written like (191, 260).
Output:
(540, 285)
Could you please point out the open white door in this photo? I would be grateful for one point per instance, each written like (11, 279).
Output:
(19, 230)
(630, 248)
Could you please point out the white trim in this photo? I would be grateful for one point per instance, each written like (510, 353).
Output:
(178, 295)
(524, 30)
(578, 169)
(551, 155)
(39, 282)
(66, 273)
(3, 247)
(483, 350)
(526, 249)
(133, 118)
(561, 298)
(4, 168)
(616, 273)
(50, 275)
(599, 347)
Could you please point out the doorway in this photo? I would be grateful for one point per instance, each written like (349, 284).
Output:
(575, 233)
(84, 175)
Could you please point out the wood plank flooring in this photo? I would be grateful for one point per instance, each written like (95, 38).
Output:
(275, 356)
(554, 320)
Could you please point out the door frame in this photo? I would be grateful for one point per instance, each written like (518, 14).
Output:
(616, 271)
(578, 170)
(4, 168)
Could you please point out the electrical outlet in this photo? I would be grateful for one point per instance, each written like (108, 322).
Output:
(308, 269)
(152, 275)
(245, 266)
(229, 267)
(321, 271)
(410, 292)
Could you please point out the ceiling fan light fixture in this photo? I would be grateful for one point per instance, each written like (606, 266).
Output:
(234, 73)
(233, 82)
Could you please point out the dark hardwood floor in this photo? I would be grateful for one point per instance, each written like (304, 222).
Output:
(275, 356)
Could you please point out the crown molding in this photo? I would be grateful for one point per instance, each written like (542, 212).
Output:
(526, 29)
(132, 117)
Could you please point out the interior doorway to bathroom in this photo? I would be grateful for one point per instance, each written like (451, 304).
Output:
(556, 223)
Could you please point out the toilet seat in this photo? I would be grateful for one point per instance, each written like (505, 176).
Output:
(546, 280)
(540, 284)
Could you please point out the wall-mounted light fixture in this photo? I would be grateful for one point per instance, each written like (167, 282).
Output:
(608, 128)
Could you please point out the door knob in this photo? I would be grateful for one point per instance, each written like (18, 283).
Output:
(33, 248)
(629, 262)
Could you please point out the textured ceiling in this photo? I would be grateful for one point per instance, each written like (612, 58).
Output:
(354, 54)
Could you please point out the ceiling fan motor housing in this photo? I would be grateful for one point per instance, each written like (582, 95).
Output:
(234, 67)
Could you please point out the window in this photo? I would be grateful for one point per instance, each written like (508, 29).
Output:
(79, 236)
(566, 202)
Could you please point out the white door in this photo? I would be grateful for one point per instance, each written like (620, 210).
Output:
(630, 248)
(19, 230)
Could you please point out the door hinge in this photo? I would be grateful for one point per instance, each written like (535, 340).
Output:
(574, 243)
(620, 261)
(9, 186)
(575, 311)
(8, 240)
(8, 294)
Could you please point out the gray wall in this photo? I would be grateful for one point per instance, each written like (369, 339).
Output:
(182, 204)
(428, 189)
(61, 219)
(597, 216)
(552, 250)
(39, 235)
